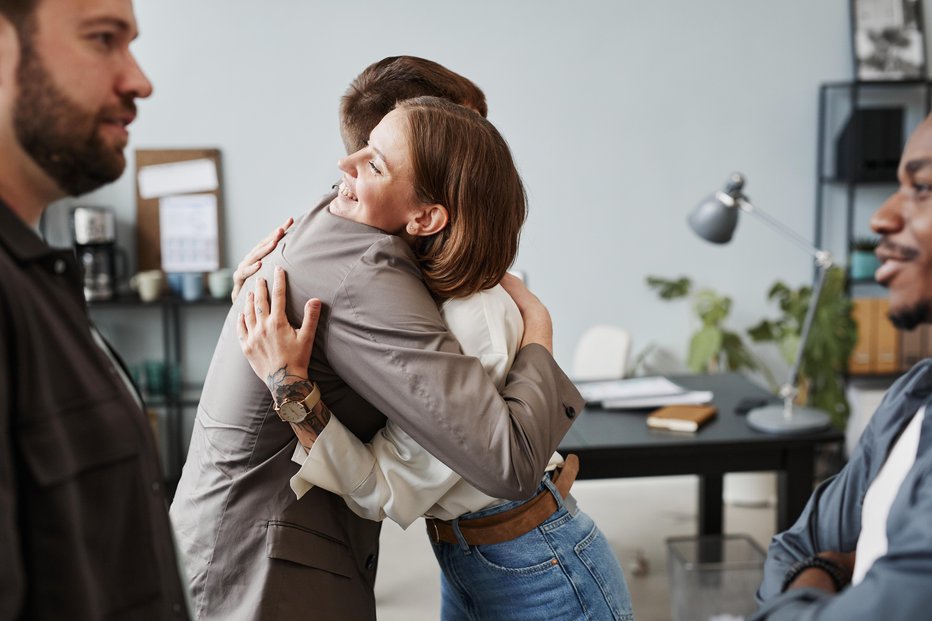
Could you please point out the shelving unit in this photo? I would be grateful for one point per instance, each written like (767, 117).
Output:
(837, 102)
(186, 394)
(846, 197)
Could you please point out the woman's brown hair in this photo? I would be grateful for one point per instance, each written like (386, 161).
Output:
(461, 162)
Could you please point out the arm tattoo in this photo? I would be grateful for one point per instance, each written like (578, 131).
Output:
(315, 422)
(284, 386)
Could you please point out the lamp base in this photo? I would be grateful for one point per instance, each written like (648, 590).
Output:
(772, 419)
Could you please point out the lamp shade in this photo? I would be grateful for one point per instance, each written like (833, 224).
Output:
(713, 220)
(716, 218)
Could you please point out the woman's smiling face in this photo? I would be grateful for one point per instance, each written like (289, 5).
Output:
(378, 180)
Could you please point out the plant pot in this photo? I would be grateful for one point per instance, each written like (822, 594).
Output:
(863, 265)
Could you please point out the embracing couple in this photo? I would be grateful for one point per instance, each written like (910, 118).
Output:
(420, 383)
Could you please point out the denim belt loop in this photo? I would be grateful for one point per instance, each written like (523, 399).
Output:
(553, 490)
(455, 525)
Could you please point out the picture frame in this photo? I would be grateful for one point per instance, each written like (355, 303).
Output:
(888, 40)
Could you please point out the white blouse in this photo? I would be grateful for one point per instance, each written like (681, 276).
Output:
(393, 476)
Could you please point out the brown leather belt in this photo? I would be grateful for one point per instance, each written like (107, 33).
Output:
(513, 523)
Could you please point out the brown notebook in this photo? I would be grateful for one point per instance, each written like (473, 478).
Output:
(681, 417)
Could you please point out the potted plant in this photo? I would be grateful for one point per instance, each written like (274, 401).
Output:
(863, 260)
(712, 347)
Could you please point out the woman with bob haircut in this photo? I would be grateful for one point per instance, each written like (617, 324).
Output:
(442, 178)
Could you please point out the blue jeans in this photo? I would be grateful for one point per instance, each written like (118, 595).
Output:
(562, 570)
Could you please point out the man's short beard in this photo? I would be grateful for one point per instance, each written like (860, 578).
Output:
(912, 317)
(56, 133)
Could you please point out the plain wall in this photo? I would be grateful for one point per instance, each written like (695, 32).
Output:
(622, 115)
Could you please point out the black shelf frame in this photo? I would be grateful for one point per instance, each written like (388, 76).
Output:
(174, 405)
(855, 90)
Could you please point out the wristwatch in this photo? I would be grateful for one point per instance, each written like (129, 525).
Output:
(294, 411)
(839, 575)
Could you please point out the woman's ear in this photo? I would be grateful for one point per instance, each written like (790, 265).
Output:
(428, 220)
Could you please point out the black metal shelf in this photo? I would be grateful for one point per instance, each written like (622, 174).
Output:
(133, 300)
(824, 143)
(835, 100)
(173, 405)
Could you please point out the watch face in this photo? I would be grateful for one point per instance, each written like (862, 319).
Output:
(292, 412)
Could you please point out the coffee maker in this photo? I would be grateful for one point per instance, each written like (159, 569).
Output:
(95, 245)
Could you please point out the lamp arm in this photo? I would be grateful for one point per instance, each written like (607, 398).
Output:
(823, 260)
(745, 205)
(790, 389)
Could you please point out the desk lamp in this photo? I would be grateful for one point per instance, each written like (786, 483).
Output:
(715, 219)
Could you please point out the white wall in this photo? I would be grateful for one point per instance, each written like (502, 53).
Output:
(621, 115)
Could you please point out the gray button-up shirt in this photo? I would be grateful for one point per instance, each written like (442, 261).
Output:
(899, 584)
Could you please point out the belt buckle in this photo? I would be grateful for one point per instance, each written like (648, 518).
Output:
(436, 534)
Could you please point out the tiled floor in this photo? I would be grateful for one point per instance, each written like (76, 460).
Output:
(637, 515)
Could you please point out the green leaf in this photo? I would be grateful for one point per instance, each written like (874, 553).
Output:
(789, 344)
(764, 331)
(711, 307)
(670, 289)
(737, 356)
(704, 346)
(778, 291)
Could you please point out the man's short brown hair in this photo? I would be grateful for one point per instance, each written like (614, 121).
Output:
(381, 85)
(18, 12)
(461, 162)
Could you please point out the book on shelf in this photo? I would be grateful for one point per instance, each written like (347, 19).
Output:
(686, 418)
(640, 393)
(880, 348)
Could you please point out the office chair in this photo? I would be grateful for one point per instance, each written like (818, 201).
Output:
(602, 353)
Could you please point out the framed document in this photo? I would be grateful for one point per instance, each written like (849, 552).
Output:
(888, 40)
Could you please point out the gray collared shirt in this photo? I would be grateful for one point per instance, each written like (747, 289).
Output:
(899, 584)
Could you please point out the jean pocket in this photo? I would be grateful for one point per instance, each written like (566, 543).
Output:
(596, 554)
(527, 554)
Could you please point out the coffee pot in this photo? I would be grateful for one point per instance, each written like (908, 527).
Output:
(94, 230)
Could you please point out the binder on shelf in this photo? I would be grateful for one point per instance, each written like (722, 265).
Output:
(861, 360)
(888, 339)
(880, 348)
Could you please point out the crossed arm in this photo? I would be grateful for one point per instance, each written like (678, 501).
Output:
(895, 586)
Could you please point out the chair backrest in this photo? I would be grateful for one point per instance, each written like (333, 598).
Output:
(602, 353)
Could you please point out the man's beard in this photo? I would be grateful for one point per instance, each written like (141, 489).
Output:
(63, 139)
(912, 317)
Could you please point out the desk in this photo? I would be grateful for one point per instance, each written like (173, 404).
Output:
(618, 443)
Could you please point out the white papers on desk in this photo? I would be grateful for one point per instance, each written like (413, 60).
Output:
(189, 233)
(641, 392)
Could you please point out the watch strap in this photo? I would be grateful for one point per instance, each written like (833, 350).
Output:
(311, 400)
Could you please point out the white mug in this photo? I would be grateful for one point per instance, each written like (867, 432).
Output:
(149, 284)
(220, 283)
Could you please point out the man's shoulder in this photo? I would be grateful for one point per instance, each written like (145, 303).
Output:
(901, 402)
(321, 241)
